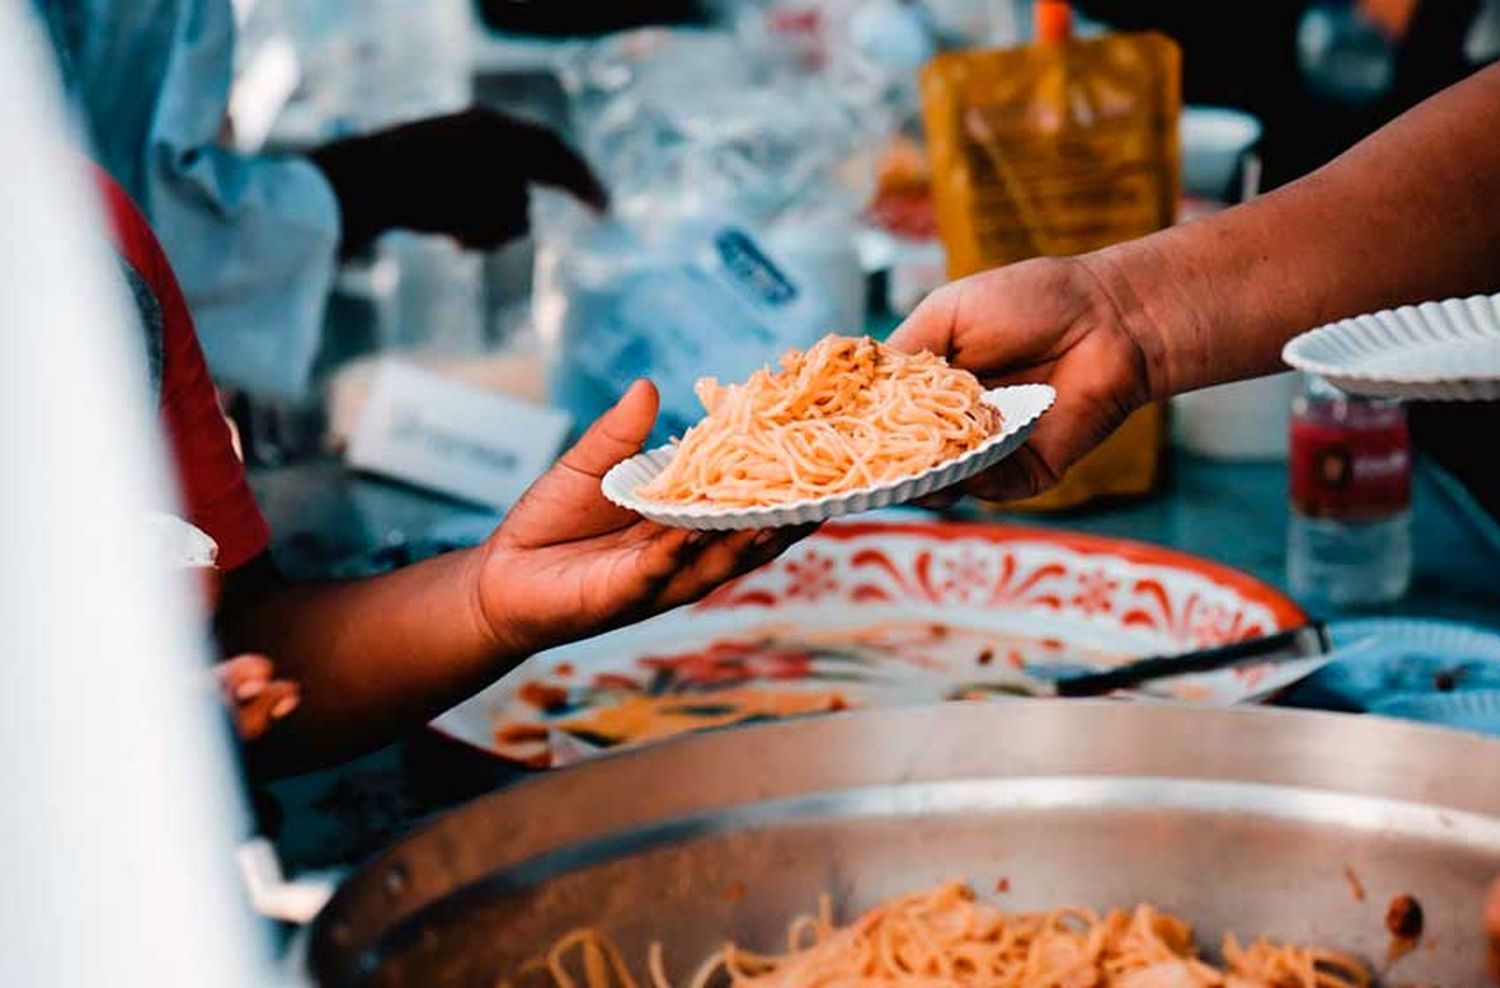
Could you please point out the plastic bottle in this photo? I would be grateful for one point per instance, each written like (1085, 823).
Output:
(1349, 541)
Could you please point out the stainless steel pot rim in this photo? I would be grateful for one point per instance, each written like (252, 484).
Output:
(1359, 774)
(1067, 794)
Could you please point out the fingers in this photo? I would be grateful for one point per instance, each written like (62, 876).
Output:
(766, 546)
(661, 556)
(1009, 320)
(671, 553)
(931, 324)
(722, 557)
(550, 161)
(255, 699)
(618, 434)
(940, 500)
(1090, 406)
(243, 677)
(1021, 475)
(255, 717)
(679, 566)
(565, 504)
(1061, 438)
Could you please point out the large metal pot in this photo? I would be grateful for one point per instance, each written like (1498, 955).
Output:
(1290, 825)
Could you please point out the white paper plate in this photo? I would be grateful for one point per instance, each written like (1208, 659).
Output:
(1019, 406)
(1410, 656)
(1447, 350)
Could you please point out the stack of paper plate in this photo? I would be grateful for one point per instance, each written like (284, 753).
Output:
(1446, 350)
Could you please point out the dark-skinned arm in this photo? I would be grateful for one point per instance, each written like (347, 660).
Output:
(1408, 214)
(372, 658)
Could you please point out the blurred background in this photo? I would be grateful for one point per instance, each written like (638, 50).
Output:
(796, 122)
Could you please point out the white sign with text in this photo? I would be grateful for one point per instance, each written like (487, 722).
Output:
(425, 429)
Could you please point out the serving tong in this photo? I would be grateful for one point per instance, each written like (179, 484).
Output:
(1309, 641)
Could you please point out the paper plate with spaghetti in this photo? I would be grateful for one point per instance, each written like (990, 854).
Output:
(849, 425)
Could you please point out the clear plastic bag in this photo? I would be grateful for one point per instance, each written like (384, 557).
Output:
(689, 121)
(736, 179)
(693, 297)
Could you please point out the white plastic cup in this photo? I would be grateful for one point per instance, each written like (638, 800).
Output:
(825, 255)
(1215, 140)
(1247, 420)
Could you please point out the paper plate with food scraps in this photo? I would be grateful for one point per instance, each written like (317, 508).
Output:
(849, 426)
(883, 613)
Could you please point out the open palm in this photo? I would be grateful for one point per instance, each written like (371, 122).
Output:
(568, 563)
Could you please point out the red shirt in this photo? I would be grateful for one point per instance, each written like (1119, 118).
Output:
(211, 478)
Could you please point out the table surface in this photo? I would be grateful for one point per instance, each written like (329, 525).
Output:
(1234, 513)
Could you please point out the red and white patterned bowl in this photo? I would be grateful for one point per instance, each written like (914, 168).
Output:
(880, 613)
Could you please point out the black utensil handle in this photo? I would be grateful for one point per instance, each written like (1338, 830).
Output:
(1300, 642)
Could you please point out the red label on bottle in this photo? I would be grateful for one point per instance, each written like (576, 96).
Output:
(1354, 474)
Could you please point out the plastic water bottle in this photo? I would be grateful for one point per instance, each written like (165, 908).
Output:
(1349, 543)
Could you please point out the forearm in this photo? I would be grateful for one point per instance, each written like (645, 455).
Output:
(1411, 213)
(372, 657)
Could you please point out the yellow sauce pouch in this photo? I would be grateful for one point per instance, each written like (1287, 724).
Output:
(1057, 149)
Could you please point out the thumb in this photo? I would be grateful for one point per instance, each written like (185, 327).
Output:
(930, 325)
(619, 433)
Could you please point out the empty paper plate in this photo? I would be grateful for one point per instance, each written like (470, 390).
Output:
(1446, 350)
(1019, 407)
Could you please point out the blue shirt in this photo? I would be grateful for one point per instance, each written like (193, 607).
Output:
(253, 239)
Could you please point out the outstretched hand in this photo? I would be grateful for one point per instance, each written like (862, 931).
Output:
(567, 562)
(1050, 321)
(466, 175)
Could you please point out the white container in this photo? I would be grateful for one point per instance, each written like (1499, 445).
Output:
(1247, 420)
(826, 255)
(1214, 141)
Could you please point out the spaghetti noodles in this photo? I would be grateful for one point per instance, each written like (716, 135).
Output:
(946, 938)
(846, 414)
